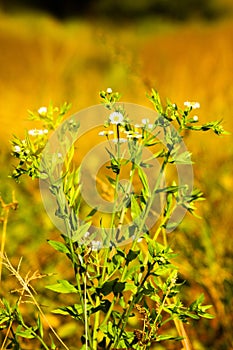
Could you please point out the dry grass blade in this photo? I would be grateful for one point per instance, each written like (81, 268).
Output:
(28, 290)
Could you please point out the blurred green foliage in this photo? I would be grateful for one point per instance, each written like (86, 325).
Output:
(118, 10)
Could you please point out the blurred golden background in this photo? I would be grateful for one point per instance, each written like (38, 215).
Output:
(70, 53)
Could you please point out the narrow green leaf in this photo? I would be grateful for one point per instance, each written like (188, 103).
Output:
(25, 333)
(118, 287)
(132, 255)
(144, 181)
(107, 287)
(53, 346)
(207, 315)
(62, 286)
(91, 213)
(168, 337)
(183, 158)
(78, 235)
(60, 247)
(40, 327)
(135, 209)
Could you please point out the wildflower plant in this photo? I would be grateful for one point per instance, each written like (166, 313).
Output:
(115, 204)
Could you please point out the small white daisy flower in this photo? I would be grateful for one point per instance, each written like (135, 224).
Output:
(193, 105)
(106, 133)
(42, 111)
(17, 149)
(36, 132)
(120, 140)
(96, 245)
(116, 118)
(145, 121)
(102, 133)
(109, 90)
(195, 118)
(133, 134)
(33, 132)
(86, 235)
(137, 126)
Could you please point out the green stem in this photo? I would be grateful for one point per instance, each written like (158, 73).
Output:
(96, 325)
(35, 335)
(125, 316)
(97, 314)
(3, 241)
(127, 193)
(146, 213)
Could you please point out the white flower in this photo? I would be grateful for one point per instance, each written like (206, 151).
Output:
(86, 235)
(195, 118)
(109, 90)
(193, 105)
(42, 111)
(116, 118)
(139, 239)
(59, 155)
(106, 133)
(145, 121)
(96, 245)
(133, 134)
(17, 149)
(120, 140)
(36, 132)
(102, 133)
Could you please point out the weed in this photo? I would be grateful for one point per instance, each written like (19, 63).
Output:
(125, 283)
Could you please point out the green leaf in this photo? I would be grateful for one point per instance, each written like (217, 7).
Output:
(207, 315)
(131, 255)
(118, 287)
(62, 286)
(91, 214)
(183, 158)
(111, 286)
(60, 247)
(169, 189)
(40, 327)
(107, 287)
(80, 232)
(53, 346)
(110, 329)
(28, 333)
(168, 337)
(111, 181)
(151, 250)
(74, 311)
(144, 181)
(130, 287)
(135, 209)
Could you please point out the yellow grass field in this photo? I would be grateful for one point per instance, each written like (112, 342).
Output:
(43, 60)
